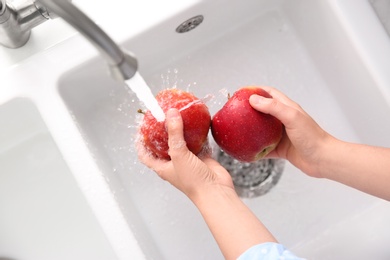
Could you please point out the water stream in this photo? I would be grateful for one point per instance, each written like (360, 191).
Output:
(138, 85)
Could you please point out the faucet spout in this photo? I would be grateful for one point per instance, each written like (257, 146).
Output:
(122, 65)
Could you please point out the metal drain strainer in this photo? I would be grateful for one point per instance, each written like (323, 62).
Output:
(252, 179)
(190, 24)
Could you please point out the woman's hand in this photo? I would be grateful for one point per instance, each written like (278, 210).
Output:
(186, 171)
(210, 187)
(304, 142)
(306, 145)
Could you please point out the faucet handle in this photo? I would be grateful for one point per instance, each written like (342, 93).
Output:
(45, 11)
(17, 18)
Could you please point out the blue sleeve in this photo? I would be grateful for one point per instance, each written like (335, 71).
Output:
(268, 251)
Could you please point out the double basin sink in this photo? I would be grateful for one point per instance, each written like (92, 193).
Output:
(71, 185)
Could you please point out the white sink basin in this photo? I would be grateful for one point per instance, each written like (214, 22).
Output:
(44, 215)
(329, 56)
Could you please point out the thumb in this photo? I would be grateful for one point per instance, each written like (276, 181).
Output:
(174, 123)
(286, 114)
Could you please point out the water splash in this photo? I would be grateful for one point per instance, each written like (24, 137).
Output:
(207, 98)
(138, 85)
(170, 78)
(203, 100)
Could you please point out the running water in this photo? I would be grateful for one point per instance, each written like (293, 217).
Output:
(204, 100)
(138, 85)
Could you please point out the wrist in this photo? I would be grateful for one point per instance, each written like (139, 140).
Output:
(232, 223)
(329, 150)
(213, 193)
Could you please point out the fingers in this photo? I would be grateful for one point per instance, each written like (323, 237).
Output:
(276, 94)
(285, 113)
(146, 158)
(177, 144)
(177, 148)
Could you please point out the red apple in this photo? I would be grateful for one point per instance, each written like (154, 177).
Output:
(243, 132)
(196, 122)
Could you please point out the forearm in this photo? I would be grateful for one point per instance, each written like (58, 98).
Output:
(233, 225)
(366, 168)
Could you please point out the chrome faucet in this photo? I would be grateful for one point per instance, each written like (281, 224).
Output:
(18, 17)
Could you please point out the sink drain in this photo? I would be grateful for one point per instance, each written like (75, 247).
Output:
(190, 24)
(252, 179)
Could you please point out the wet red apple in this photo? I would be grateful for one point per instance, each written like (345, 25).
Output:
(196, 123)
(243, 132)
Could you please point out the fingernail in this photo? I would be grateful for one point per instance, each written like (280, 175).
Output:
(256, 99)
(173, 113)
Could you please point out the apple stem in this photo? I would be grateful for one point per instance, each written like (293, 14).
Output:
(141, 111)
(228, 96)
